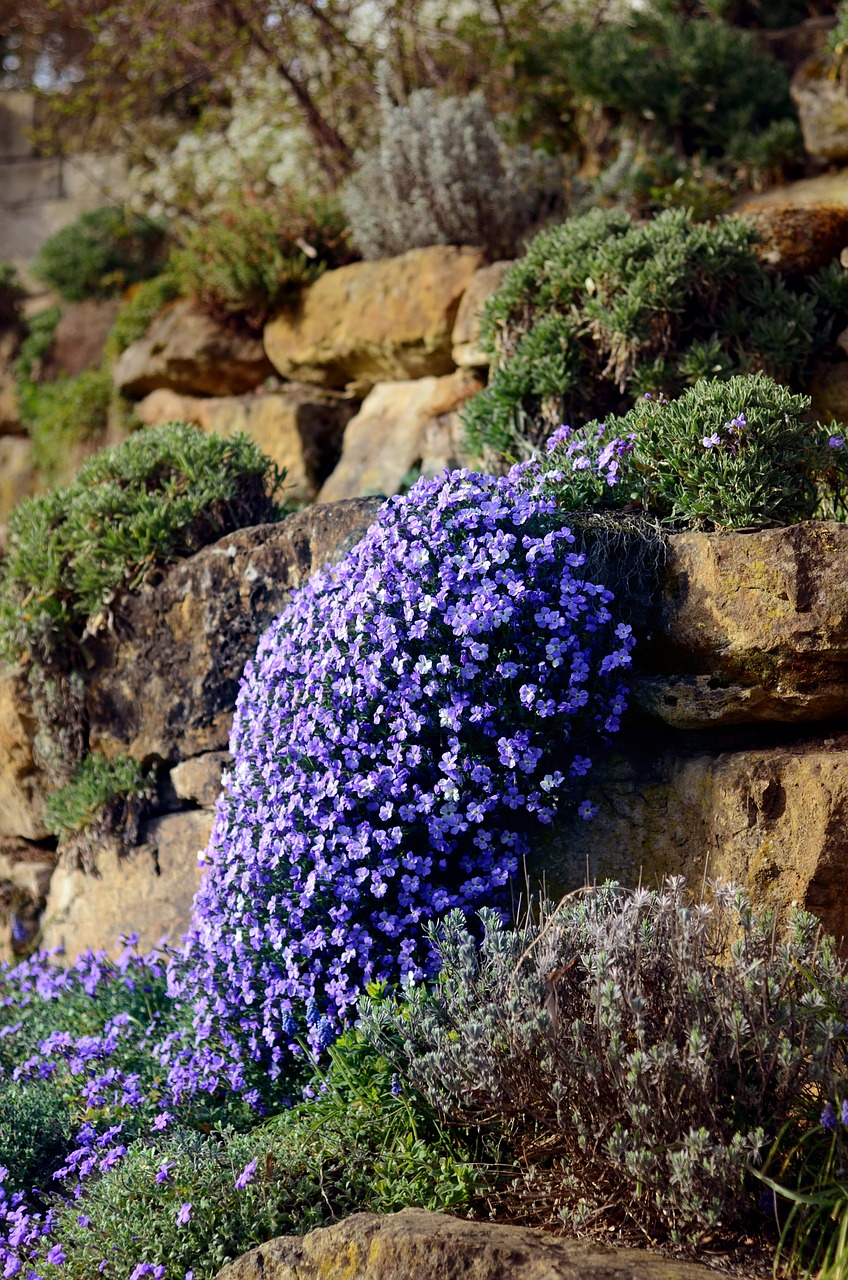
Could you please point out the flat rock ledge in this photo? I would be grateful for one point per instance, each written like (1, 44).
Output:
(416, 1244)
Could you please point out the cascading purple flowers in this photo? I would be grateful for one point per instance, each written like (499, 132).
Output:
(409, 716)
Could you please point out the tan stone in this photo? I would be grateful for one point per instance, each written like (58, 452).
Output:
(167, 688)
(148, 891)
(80, 337)
(25, 871)
(829, 390)
(465, 338)
(374, 321)
(21, 785)
(773, 818)
(18, 476)
(766, 612)
(199, 778)
(820, 94)
(825, 188)
(404, 429)
(298, 427)
(417, 1244)
(797, 237)
(10, 423)
(191, 353)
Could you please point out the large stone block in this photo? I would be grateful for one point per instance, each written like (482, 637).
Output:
(798, 238)
(404, 429)
(771, 817)
(465, 338)
(191, 353)
(298, 427)
(417, 1244)
(819, 93)
(164, 687)
(148, 891)
(18, 476)
(374, 321)
(751, 627)
(25, 871)
(80, 337)
(21, 783)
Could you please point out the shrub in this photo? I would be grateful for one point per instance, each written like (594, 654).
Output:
(59, 415)
(138, 311)
(101, 797)
(11, 296)
(725, 455)
(163, 494)
(35, 1131)
(442, 175)
(407, 719)
(41, 330)
(254, 254)
(100, 254)
(602, 307)
(640, 1051)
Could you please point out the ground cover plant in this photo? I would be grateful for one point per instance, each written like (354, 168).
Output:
(100, 254)
(602, 308)
(732, 454)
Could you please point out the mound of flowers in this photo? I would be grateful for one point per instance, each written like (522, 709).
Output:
(404, 724)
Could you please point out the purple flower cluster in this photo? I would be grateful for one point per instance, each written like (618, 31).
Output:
(829, 1118)
(730, 440)
(404, 721)
(583, 467)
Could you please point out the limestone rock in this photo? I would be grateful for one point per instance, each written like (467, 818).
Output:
(18, 476)
(148, 891)
(298, 427)
(771, 817)
(25, 871)
(191, 353)
(764, 612)
(165, 689)
(416, 1244)
(403, 429)
(825, 188)
(10, 423)
(199, 778)
(466, 332)
(373, 321)
(796, 237)
(829, 389)
(80, 337)
(820, 94)
(21, 785)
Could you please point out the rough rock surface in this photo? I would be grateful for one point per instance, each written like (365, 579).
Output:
(798, 238)
(825, 188)
(762, 614)
(21, 784)
(771, 817)
(820, 94)
(298, 427)
(374, 321)
(18, 478)
(25, 871)
(167, 690)
(465, 338)
(416, 1244)
(191, 353)
(199, 778)
(10, 423)
(403, 429)
(80, 337)
(148, 891)
(829, 388)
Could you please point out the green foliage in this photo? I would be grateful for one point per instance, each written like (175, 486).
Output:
(11, 296)
(249, 258)
(638, 1051)
(356, 1146)
(35, 1130)
(163, 494)
(837, 42)
(100, 254)
(102, 796)
(64, 413)
(602, 307)
(138, 311)
(41, 330)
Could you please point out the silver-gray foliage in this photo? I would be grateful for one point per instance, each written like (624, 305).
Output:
(637, 1052)
(442, 175)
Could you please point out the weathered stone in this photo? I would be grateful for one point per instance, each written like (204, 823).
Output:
(416, 1244)
(374, 321)
(21, 784)
(148, 891)
(796, 237)
(199, 778)
(80, 337)
(190, 352)
(10, 423)
(829, 389)
(18, 476)
(298, 427)
(166, 690)
(771, 817)
(403, 429)
(465, 338)
(766, 612)
(25, 871)
(825, 188)
(819, 92)
(793, 45)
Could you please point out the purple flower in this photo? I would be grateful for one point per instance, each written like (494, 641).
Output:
(184, 1214)
(836, 442)
(162, 1121)
(163, 1173)
(828, 1117)
(56, 1256)
(397, 1086)
(845, 1112)
(246, 1175)
(710, 442)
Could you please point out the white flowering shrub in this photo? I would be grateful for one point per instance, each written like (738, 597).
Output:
(442, 175)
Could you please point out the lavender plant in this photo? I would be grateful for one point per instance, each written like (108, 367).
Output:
(640, 1050)
(404, 723)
